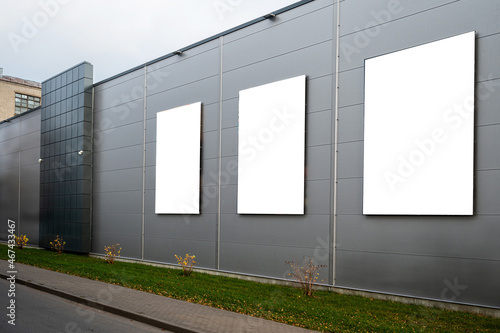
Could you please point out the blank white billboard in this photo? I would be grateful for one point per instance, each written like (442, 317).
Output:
(419, 130)
(178, 160)
(272, 148)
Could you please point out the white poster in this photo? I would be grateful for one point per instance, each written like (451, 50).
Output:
(272, 148)
(419, 130)
(178, 160)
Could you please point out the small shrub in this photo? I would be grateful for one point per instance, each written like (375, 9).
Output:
(21, 241)
(112, 251)
(187, 263)
(58, 245)
(306, 274)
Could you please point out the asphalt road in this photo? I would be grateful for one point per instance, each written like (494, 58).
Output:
(40, 312)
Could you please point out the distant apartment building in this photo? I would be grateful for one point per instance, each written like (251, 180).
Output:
(17, 95)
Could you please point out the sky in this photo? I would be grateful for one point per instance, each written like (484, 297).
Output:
(41, 38)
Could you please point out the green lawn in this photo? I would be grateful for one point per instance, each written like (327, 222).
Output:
(326, 311)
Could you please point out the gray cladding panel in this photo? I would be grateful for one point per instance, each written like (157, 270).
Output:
(129, 202)
(11, 146)
(352, 83)
(210, 172)
(283, 17)
(187, 70)
(228, 199)
(118, 180)
(350, 159)
(487, 186)
(119, 158)
(296, 231)
(351, 120)
(9, 192)
(319, 63)
(10, 130)
(363, 15)
(123, 114)
(446, 21)
(350, 196)
(30, 208)
(9, 161)
(119, 137)
(487, 140)
(318, 160)
(317, 197)
(307, 30)
(266, 260)
(30, 156)
(116, 223)
(206, 91)
(229, 171)
(31, 140)
(487, 101)
(31, 122)
(188, 227)
(230, 141)
(197, 51)
(230, 113)
(451, 236)
(319, 129)
(121, 80)
(422, 276)
(19, 154)
(319, 93)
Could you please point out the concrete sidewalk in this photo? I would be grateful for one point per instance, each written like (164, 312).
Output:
(159, 311)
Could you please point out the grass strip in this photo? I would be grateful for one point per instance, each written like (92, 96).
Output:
(325, 311)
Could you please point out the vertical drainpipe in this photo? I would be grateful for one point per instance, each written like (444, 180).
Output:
(333, 231)
(217, 245)
(144, 162)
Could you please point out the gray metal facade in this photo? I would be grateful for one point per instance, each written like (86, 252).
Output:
(20, 174)
(449, 258)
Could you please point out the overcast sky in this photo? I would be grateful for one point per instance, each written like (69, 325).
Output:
(41, 38)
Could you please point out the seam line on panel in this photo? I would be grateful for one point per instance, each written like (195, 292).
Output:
(409, 254)
(220, 157)
(184, 84)
(403, 17)
(279, 55)
(144, 162)
(278, 24)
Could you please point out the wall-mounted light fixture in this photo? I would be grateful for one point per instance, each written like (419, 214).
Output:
(40, 160)
(270, 16)
(80, 152)
(178, 52)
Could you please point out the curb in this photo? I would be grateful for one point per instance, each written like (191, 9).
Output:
(104, 307)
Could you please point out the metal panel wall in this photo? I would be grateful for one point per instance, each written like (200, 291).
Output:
(118, 164)
(446, 258)
(260, 244)
(20, 175)
(190, 77)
